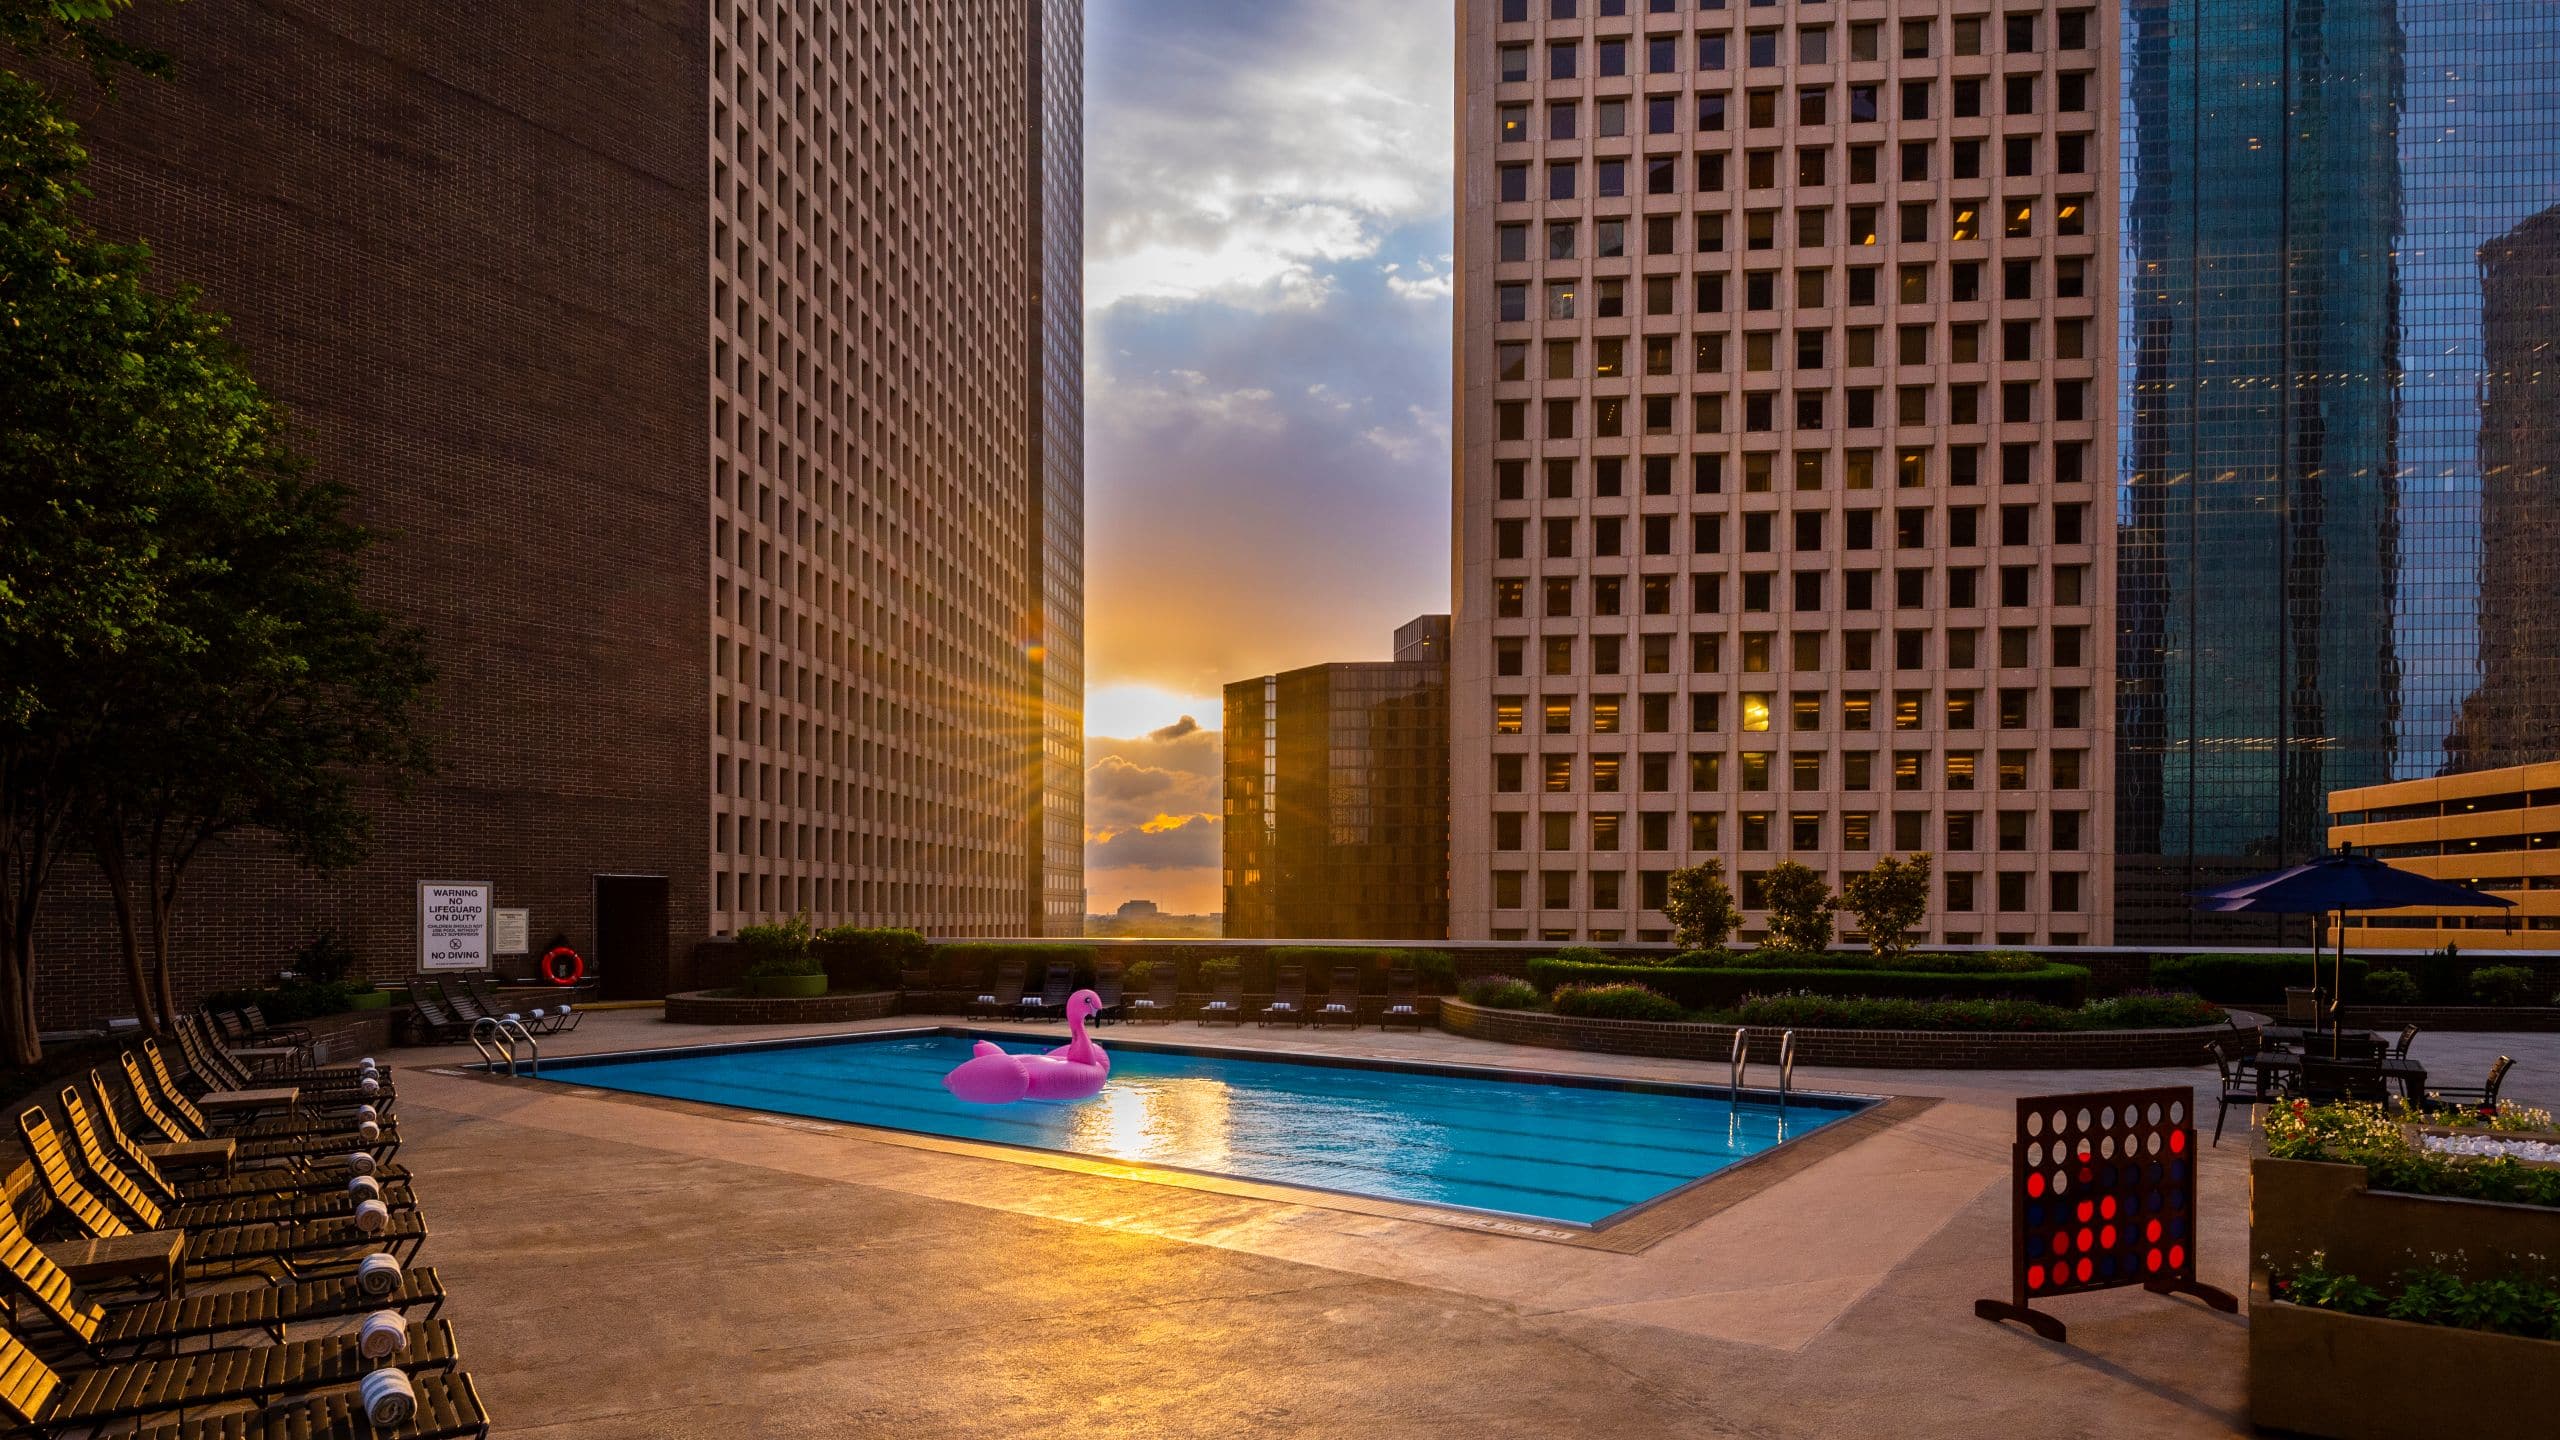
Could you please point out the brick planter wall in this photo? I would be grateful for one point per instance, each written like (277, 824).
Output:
(1372, 1007)
(337, 1039)
(702, 1007)
(1894, 1049)
(2539, 1019)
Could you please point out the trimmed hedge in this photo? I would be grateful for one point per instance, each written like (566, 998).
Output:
(1720, 987)
(2144, 1012)
(866, 959)
(981, 962)
(2247, 979)
(1983, 962)
(1621, 1001)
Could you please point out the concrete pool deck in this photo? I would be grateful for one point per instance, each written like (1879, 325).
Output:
(630, 1270)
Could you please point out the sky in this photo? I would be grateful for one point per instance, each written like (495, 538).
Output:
(1267, 256)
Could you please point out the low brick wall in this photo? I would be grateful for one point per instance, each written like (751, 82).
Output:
(1887, 1049)
(2538, 1019)
(1373, 1008)
(337, 1039)
(703, 1007)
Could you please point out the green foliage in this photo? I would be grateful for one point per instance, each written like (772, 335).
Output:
(2134, 1012)
(2391, 987)
(1437, 966)
(1219, 967)
(2150, 1010)
(859, 958)
(1700, 906)
(1501, 992)
(779, 948)
(1139, 974)
(324, 958)
(1717, 986)
(293, 1002)
(2505, 1304)
(1622, 1001)
(1584, 955)
(2351, 1134)
(2503, 985)
(2247, 979)
(1890, 901)
(1799, 906)
(1975, 962)
(78, 28)
(983, 961)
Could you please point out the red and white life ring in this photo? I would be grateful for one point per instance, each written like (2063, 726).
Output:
(552, 960)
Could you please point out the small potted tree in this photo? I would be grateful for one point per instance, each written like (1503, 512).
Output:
(780, 962)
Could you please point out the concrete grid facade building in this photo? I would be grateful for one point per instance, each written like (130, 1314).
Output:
(1785, 454)
(896, 468)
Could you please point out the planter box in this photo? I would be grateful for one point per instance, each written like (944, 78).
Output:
(2361, 1377)
(784, 987)
(2298, 1207)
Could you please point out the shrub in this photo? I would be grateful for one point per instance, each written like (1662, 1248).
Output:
(1889, 900)
(324, 958)
(2391, 987)
(1714, 986)
(983, 962)
(1700, 906)
(1217, 968)
(778, 941)
(1139, 973)
(2502, 985)
(2131, 1012)
(2352, 1134)
(1584, 955)
(2149, 1010)
(296, 1000)
(2247, 979)
(1435, 966)
(1976, 962)
(2506, 1304)
(1501, 992)
(1615, 1002)
(1799, 908)
(859, 958)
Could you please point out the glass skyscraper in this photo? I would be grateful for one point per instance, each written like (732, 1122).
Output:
(2336, 276)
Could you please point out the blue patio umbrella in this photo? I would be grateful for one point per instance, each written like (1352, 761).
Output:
(2342, 883)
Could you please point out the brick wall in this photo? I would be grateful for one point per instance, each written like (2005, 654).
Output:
(465, 244)
(1888, 1049)
(704, 1007)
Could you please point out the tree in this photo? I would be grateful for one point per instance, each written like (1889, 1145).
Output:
(39, 27)
(1700, 906)
(1799, 909)
(1889, 901)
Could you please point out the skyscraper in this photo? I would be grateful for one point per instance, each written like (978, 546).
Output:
(1783, 449)
(2328, 276)
(711, 370)
(1337, 797)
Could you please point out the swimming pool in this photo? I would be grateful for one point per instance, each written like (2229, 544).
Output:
(1564, 1149)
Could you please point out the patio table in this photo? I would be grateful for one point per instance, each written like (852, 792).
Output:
(2411, 1075)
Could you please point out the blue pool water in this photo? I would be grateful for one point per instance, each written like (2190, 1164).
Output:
(1528, 1147)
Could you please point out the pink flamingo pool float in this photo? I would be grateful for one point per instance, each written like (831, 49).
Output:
(1073, 1071)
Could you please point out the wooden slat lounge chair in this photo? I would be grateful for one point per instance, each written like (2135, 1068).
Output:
(449, 1408)
(262, 1033)
(47, 1402)
(169, 1113)
(546, 1019)
(1404, 1006)
(431, 1019)
(1163, 1000)
(213, 1245)
(1225, 1005)
(1002, 1001)
(152, 1169)
(252, 1126)
(1051, 1002)
(1288, 999)
(216, 1070)
(108, 1330)
(136, 1202)
(1341, 999)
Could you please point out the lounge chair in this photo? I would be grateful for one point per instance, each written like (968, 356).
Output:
(1404, 1008)
(47, 1402)
(1163, 1000)
(1106, 988)
(1226, 1004)
(1051, 1002)
(1004, 1000)
(146, 1209)
(242, 1112)
(431, 1019)
(2240, 1086)
(152, 1171)
(168, 1112)
(1288, 999)
(262, 1033)
(1341, 1000)
(107, 1330)
(539, 1019)
(448, 1408)
(2463, 1097)
(217, 1070)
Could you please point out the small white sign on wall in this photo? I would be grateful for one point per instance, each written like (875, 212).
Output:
(509, 931)
(453, 926)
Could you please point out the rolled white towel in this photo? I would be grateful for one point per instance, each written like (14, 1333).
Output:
(371, 1130)
(538, 1013)
(359, 1162)
(390, 1401)
(369, 1085)
(382, 1336)
(372, 1216)
(364, 1187)
(565, 1007)
(1399, 1009)
(378, 1275)
(367, 1112)
(515, 1017)
(367, 1063)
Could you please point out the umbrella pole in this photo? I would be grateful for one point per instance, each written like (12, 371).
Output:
(2338, 980)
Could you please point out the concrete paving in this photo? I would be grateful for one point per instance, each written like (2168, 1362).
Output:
(629, 1270)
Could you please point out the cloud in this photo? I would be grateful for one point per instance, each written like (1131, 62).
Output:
(1152, 814)
(1166, 842)
(1175, 731)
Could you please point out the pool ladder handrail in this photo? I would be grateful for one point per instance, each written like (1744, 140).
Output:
(1786, 1068)
(1742, 1065)
(503, 1031)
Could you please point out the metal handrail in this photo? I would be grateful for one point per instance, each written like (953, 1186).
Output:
(498, 1034)
(1741, 1063)
(533, 1047)
(1786, 1068)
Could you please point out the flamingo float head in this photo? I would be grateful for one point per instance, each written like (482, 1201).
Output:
(1083, 1005)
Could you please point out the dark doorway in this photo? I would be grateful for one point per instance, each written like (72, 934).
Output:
(631, 936)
